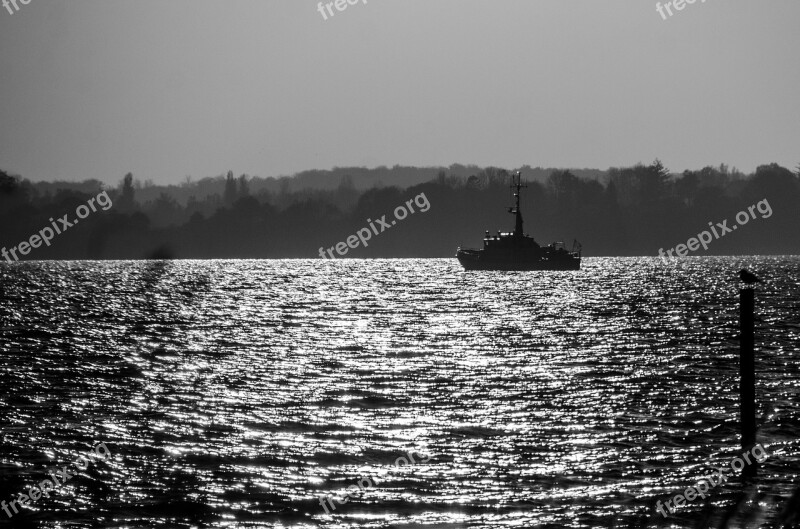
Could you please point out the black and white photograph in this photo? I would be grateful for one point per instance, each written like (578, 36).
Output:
(382, 264)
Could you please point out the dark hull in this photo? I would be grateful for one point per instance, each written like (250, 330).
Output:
(478, 260)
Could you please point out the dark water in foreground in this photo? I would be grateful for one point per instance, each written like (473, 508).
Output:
(235, 393)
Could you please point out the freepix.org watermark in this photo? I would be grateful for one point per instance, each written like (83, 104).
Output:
(47, 234)
(8, 3)
(365, 483)
(340, 6)
(364, 234)
(737, 464)
(49, 485)
(679, 5)
(704, 237)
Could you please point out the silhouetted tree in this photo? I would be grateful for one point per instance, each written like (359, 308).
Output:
(244, 188)
(8, 184)
(476, 182)
(776, 183)
(654, 183)
(686, 187)
(125, 203)
(11, 192)
(562, 185)
(661, 172)
(229, 196)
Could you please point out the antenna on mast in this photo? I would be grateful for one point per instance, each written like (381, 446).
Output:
(518, 185)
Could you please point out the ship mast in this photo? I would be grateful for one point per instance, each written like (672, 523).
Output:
(518, 185)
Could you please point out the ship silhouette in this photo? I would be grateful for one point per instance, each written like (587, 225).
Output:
(517, 250)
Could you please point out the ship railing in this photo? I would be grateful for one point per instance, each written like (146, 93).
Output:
(577, 248)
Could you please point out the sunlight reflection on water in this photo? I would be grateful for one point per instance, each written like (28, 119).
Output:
(236, 393)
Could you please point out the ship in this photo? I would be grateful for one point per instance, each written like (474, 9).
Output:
(517, 250)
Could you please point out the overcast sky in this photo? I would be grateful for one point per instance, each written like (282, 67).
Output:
(97, 88)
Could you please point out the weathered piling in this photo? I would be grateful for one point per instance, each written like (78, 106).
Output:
(747, 384)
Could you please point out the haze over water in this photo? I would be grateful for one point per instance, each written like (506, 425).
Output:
(236, 393)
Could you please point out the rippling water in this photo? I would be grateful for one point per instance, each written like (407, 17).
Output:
(237, 393)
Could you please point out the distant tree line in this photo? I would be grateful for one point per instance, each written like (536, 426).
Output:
(621, 211)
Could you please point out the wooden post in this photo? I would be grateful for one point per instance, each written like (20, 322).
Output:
(747, 384)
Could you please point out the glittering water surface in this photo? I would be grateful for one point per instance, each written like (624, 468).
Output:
(237, 393)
